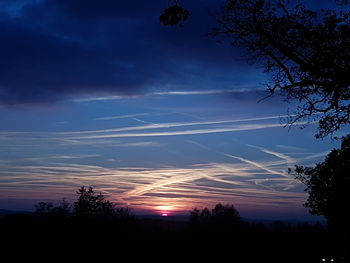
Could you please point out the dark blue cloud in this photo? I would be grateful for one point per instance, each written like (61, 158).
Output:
(38, 66)
(92, 9)
(57, 48)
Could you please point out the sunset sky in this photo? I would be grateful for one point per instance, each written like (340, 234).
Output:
(99, 93)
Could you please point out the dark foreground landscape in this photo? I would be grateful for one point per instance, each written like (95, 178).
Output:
(128, 238)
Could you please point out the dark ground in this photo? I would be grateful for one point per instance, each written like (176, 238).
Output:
(53, 238)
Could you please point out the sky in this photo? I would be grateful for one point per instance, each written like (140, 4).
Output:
(159, 119)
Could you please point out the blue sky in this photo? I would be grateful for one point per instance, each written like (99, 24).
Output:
(156, 118)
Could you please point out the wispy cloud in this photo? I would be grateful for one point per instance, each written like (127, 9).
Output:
(282, 156)
(259, 165)
(174, 93)
(141, 187)
(142, 144)
(290, 148)
(143, 121)
(243, 127)
(122, 116)
(177, 124)
(203, 92)
(233, 128)
(232, 178)
(221, 126)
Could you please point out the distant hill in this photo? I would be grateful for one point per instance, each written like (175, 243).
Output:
(292, 222)
(4, 212)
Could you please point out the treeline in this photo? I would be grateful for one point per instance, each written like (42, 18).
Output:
(89, 205)
(93, 225)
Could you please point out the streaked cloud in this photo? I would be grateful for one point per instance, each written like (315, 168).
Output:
(245, 182)
(274, 153)
(142, 144)
(183, 187)
(221, 126)
(121, 116)
(290, 148)
(258, 165)
(204, 92)
(246, 127)
(237, 90)
(153, 158)
(177, 124)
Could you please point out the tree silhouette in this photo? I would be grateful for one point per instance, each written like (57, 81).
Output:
(174, 15)
(89, 204)
(225, 214)
(194, 216)
(48, 209)
(306, 53)
(64, 208)
(205, 216)
(328, 185)
(43, 208)
(220, 215)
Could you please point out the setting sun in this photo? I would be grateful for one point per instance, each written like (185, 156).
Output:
(164, 210)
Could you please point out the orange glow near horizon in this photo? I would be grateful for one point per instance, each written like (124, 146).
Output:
(171, 191)
(165, 210)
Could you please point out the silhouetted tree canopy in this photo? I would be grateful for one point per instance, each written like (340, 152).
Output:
(91, 204)
(306, 53)
(44, 208)
(220, 215)
(225, 214)
(174, 15)
(88, 205)
(205, 215)
(328, 185)
(64, 208)
(48, 208)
